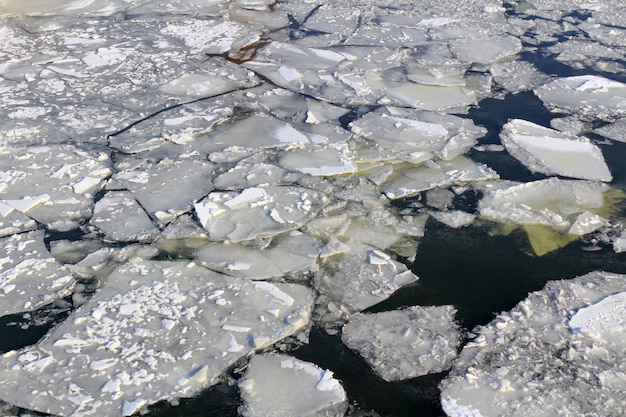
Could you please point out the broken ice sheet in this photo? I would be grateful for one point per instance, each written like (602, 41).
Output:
(29, 276)
(406, 181)
(257, 212)
(360, 276)
(283, 386)
(167, 188)
(588, 95)
(406, 343)
(293, 252)
(13, 221)
(551, 202)
(614, 131)
(120, 218)
(53, 184)
(554, 153)
(571, 334)
(154, 331)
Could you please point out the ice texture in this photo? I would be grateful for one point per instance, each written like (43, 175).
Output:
(406, 343)
(282, 386)
(120, 218)
(554, 153)
(555, 353)
(29, 276)
(155, 330)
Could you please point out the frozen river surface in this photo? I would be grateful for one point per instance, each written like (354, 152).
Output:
(297, 208)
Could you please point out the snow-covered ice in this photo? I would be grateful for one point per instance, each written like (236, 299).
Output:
(282, 386)
(405, 343)
(29, 276)
(155, 330)
(556, 353)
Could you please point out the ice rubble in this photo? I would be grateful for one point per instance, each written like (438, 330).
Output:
(405, 343)
(280, 385)
(29, 276)
(227, 120)
(554, 153)
(155, 330)
(555, 353)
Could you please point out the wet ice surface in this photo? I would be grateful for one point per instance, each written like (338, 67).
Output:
(297, 154)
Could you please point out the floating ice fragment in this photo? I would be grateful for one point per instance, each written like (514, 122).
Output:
(157, 335)
(405, 343)
(352, 280)
(29, 276)
(550, 202)
(585, 94)
(120, 218)
(285, 255)
(453, 218)
(554, 153)
(282, 386)
(413, 180)
(236, 217)
(564, 333)
(484, 50)
(327, 161)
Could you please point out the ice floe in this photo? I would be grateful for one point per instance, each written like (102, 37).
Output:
(280, 385)
(556, 352)
(554, 153)
(586, 95)
(257, 212)
(405, 343)
(155, 330)
(29, 276)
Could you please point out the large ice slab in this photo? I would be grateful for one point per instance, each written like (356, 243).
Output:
(255, 211)
(555, 353)
(53, 184)
(554, 153)
(405, 343)
(29, 276)
(585, 94)
(283, 386)
(155, 330)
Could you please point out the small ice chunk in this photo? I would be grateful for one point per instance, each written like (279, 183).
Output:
(453, 218)
(254, 212)
(120, 218)
(282, 386)
(554, 153)
(360, 278)
(405, 343)
(587, 222)
(327, 161)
